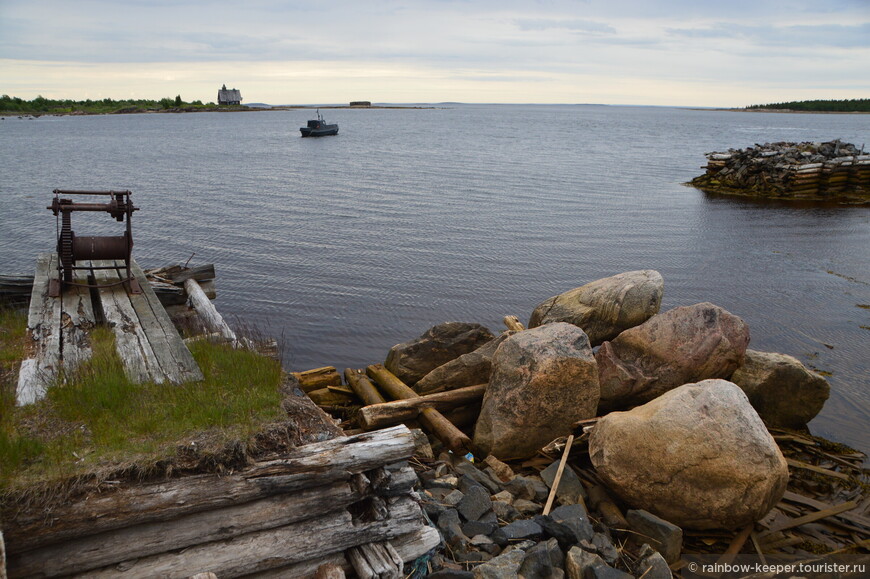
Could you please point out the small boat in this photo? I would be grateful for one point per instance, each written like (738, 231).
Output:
(318, 128)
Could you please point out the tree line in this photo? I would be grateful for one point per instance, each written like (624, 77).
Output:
(41, 105)
(821, 106)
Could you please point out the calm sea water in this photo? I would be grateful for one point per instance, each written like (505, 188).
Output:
(346, 245)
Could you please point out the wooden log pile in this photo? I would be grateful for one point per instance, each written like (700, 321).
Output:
(811, 171)
(347, 500)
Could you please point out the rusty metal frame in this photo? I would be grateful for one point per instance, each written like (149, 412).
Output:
(70, 249)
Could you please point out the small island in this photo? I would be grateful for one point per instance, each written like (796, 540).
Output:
(815, 106)
(830, 171)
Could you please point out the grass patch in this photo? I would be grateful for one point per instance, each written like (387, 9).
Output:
(97, 423)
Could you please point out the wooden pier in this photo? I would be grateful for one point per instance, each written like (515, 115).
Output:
(146, 339)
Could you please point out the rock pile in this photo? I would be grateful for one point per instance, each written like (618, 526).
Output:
(812, 171)
(668, 410)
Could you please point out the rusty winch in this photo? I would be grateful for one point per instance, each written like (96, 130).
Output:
(72, 248)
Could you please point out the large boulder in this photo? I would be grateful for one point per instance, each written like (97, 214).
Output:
(605, 307)
(543, 381)
(683, 345)
(410, 361)
(698, 456)
(781, 389)
(466, 370)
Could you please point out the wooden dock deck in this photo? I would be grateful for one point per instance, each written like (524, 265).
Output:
(146, 339)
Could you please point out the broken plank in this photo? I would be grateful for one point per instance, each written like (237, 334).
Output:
(816, 504)
(40, 368)
(817, 469)
(175, 359)
(77, 318)
(389, 413)
(138, 357)
(812, 517)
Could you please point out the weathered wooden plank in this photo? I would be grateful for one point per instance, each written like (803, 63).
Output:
(818, 515)
(409, 546)
(434, 421)
(212, 319)
(389, 413)
(318, 378)
(272, 548)
(316, 464)
(176, 361)
(810, 502)
(138, 541)
(131, 342)
(40, 369)
(77, 318)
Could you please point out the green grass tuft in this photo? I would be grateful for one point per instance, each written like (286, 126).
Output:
(97, 420)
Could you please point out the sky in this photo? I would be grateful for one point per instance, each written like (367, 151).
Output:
(728, 53)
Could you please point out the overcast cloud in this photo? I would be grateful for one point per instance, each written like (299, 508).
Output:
(674, 52)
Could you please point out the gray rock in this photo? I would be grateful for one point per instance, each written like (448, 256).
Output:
(579, 562)
(453, 498)
(466, 370)
(466, 468)
(543, 381)
(698, 456)
(475, 528)
(505, 566)
(504, 511)
(542, 560)
(784, 392)
(527, 508)
(528, 487)
(683, 345)
(449, 525)
(410, 361)
(520, 530)
(570, 491)
(561, 532)
(576, 519)
(605, 548)
(605, 307)
(665, 537)
(651, 564)
(475, 503)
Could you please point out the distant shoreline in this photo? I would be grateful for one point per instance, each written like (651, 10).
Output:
(180, 110)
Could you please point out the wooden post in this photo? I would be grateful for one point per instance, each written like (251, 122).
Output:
(452, 437)
(363, 387)
(558, 477)
(206, 310)
(389, 413)
(318, 378)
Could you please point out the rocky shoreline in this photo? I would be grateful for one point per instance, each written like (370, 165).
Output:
(616, 441)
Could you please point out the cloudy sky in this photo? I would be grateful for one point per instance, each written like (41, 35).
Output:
(648, 52)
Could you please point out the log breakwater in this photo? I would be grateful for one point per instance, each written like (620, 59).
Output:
(829, 171)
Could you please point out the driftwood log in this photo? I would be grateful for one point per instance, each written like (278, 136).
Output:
(389, 413)
(318, 378)
(209, 315)
(434, 421)
(321, 498)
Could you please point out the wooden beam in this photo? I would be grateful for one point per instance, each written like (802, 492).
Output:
(363, 387)
(263, 550)
(389, 413)
(792, 523)
(320, 463)
(434, 421)
(209, 315)
(43, 328)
